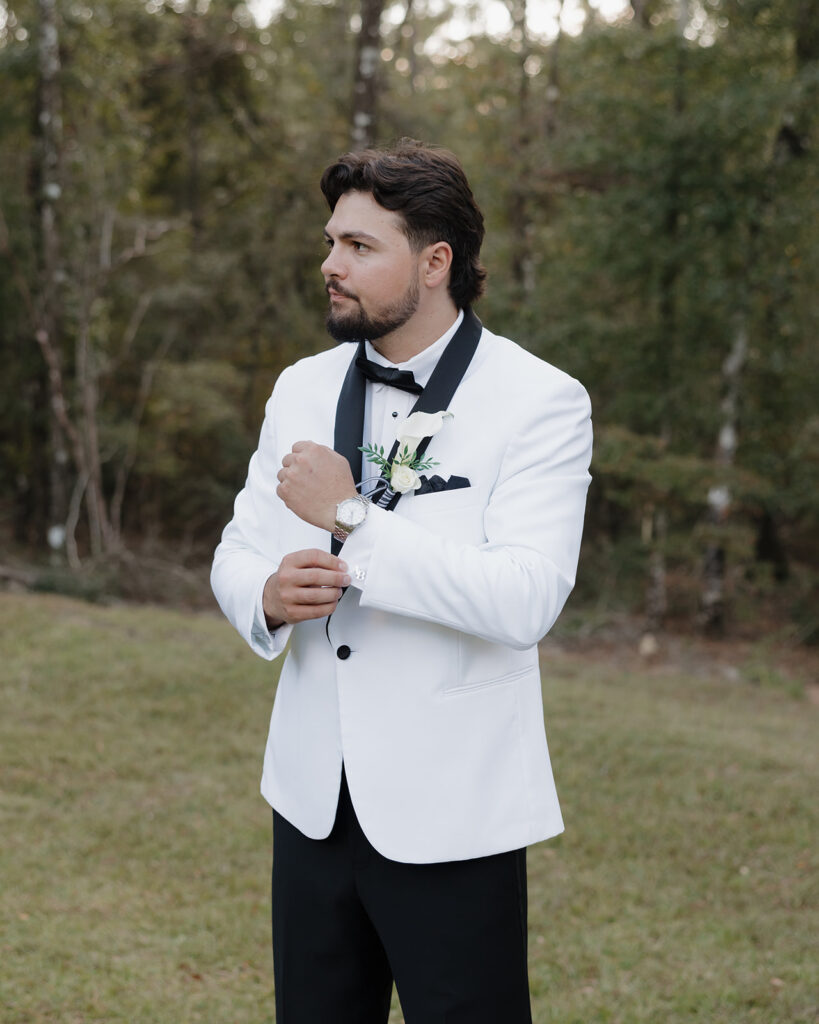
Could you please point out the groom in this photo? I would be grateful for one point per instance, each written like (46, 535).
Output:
(407, 762)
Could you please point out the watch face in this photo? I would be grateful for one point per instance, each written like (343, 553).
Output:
(351, 512)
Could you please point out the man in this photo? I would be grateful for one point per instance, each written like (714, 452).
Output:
(407, 762)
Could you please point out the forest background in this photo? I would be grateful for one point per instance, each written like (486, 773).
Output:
(649, 181)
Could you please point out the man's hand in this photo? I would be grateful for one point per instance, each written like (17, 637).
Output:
(307, 586)
(314, 479)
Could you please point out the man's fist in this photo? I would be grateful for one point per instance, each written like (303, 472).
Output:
(313, 480)
(307, 586)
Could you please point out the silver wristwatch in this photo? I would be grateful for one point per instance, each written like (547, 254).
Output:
(350, 513)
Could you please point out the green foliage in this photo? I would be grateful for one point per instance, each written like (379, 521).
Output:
(402, 458)
(638, 468)
(648, 194)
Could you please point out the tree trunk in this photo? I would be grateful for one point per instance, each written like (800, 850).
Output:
(365, 87)
(130, 455)
(655, 531)
(553, 86)
(712, 600)
(520, 219)
(87, 383)
(666, 342)
(193, 105)
(406, 38)
(49, 124)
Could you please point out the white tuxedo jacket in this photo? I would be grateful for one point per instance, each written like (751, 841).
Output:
(436, 711)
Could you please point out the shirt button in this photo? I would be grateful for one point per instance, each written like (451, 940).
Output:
(343, 652)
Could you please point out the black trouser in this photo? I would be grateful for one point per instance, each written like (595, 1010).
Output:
(346, 921)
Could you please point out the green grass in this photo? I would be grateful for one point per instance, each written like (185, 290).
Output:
(135, 847)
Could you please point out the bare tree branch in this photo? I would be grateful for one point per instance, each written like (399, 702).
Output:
(129, 459)
(131, 330)
(106, 236)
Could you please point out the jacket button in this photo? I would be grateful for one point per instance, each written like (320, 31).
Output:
(343, 652)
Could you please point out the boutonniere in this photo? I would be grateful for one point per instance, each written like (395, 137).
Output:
(402, 471)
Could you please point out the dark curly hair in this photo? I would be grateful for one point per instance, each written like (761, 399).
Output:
(427, 187)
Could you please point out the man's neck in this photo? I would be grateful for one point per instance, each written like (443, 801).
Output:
(419, 332)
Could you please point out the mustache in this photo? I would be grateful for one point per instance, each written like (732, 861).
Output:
(336, 287)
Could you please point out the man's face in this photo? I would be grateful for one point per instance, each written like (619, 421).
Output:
(371, 273)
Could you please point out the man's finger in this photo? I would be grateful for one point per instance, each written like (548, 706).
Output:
(320, 578)
(312, 596)
(315, 579)
(300, 446)
(314, 558)
(315, 611)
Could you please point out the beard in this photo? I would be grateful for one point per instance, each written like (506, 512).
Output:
(358, 324)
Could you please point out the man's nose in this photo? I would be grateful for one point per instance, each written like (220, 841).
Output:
(332, 266)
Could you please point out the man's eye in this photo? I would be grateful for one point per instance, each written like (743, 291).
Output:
(360, 247)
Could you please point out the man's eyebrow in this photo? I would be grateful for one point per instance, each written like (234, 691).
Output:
(358, 236)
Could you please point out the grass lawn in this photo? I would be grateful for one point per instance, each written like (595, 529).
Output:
(135, 847)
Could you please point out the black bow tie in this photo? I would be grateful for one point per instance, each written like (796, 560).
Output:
(402, 379)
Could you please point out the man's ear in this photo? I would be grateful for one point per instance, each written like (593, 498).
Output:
(436, 264)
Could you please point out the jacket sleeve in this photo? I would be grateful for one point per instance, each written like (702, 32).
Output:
(249, 550)
(511, 588)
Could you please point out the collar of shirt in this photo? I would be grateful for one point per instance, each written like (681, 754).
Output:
(425, 361)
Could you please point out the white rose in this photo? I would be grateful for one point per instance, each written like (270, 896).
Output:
(403, 479)
(415, 428)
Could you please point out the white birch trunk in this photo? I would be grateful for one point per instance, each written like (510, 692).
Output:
(49, 117)
(712, 599)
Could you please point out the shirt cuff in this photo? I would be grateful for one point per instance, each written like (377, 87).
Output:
(357, 550)
(266, 642)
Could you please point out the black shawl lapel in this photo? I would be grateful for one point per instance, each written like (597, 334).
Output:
(349, 427)
(446, 377)
(449, 370)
